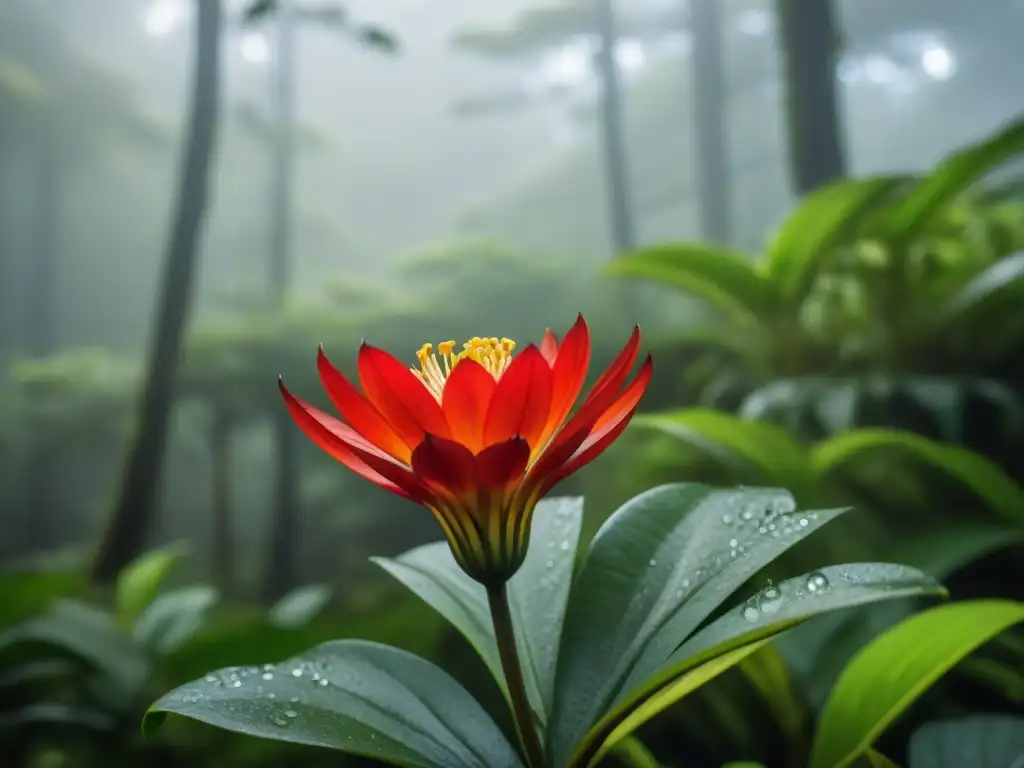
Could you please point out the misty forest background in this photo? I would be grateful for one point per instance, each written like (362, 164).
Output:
(194, 195)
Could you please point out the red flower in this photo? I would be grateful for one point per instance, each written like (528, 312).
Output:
(478, 436)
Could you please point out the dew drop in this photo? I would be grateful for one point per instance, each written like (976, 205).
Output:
(236, 684)
(211, 679)
(277, 720)
(323, 682)
(747, 514)
(652, 562)
(817, 582)
(550, 564)
(268, 675)
(291, 713)
(686, 583)
(297, 672)
(751, 613)
(734, 543)
(804, 522)
(727, 518)
(564, 546)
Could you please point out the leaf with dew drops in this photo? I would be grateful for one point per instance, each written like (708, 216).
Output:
(358, 697)
(657, 569)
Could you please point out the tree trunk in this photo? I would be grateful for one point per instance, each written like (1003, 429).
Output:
(280, 573)
(709, 105)
(136, 505)
(614, 141)
(810, 42)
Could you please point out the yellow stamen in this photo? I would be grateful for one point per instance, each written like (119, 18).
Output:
(493, 354)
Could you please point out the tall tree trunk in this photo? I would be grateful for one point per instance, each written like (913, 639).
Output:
(39, 504)
(810, 42)
(614, 141)
(280, 574)
(136, 505)
(710, 101)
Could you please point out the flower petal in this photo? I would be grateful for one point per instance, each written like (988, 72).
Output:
(502, 465)
(345, 445)
(602, 394)
(521, 401)
(360, 414)
(549, 347)
(607, 429)
(467, 394)
(499, 470)
(445, 465)
(399, 396)
(568, 372)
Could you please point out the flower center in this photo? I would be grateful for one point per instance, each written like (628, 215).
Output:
(494, 355)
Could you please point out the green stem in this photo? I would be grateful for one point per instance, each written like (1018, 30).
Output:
(631, 752)
(501, 616)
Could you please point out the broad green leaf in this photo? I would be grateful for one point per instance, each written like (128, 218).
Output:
(725, 279)
(25, 593)
(656, 570)
(744, 630)
(83, 632)
(361, 698)
(140, 581)
(749, 448)
(983, 477)
(906, 220)
(825, 219)
(537, 596)
(818, 651)
(300, 606)
(978, 741)
(891, 672)
(173, 617)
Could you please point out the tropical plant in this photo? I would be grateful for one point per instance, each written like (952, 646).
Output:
(603, 652)
(899, 276)
(76, 674)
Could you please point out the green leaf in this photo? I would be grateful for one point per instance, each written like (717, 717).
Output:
(538, 594)
(24, 594)
(139, 583)
(818, 651)
(658, 567)
(744, 630)
(750, 449)
(825, 219)
(632, 753)
(81, 631)
(906, 221)
(978, 741)
(991, 293)
(174, 617)
(983, 477)
(361, 698)
(300, 606)
(725, 279)
(891, 672)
